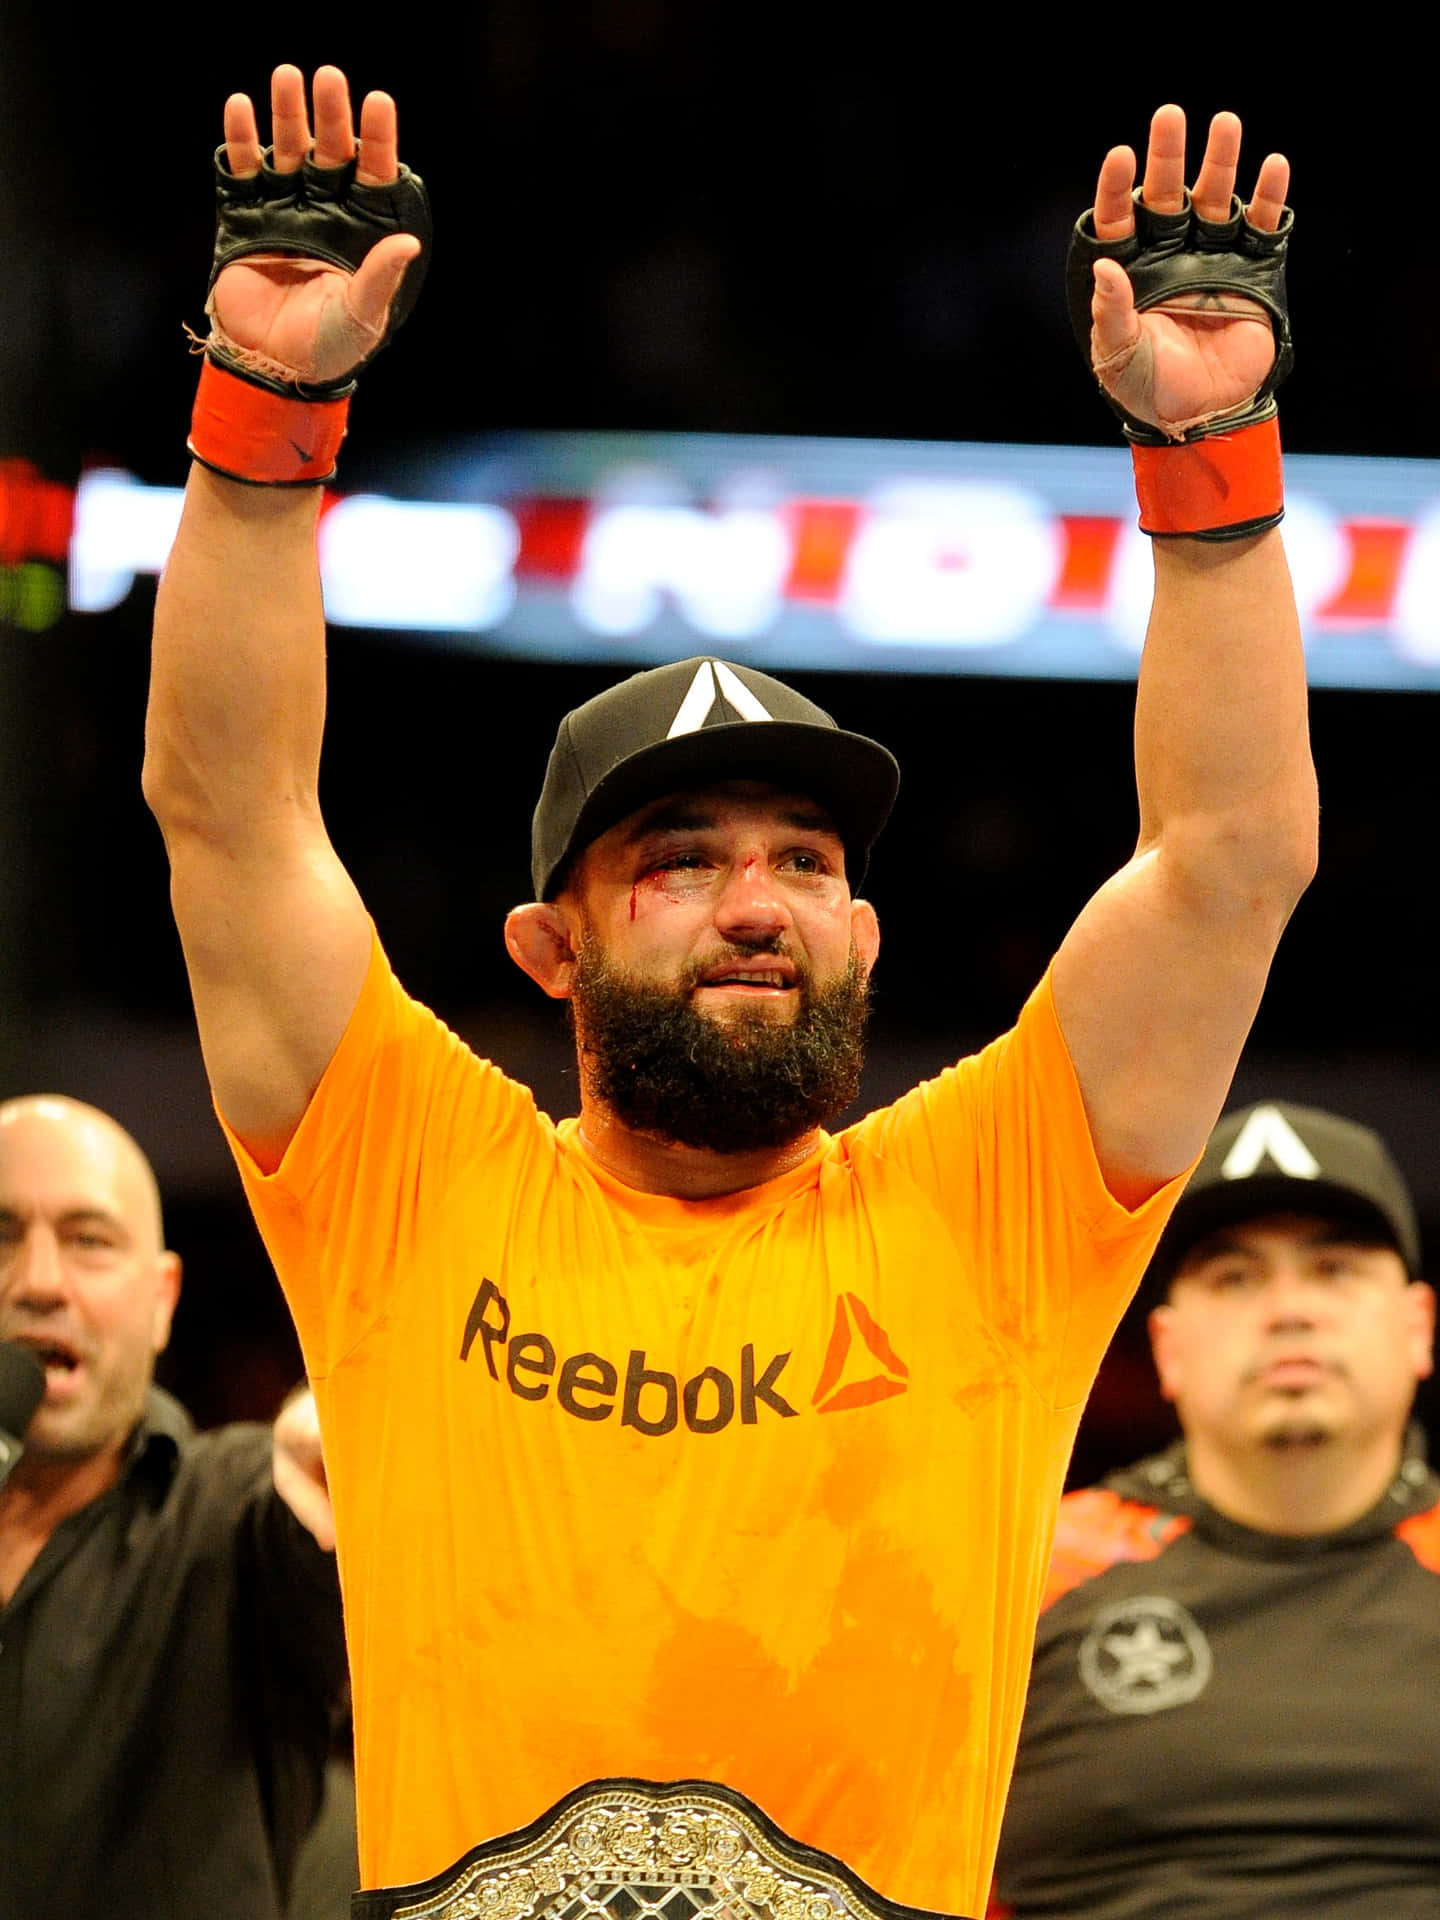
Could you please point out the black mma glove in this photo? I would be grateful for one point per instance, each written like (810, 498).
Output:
(1218, 478)
(254, 419)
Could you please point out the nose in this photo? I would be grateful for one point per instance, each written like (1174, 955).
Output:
(34, 1274)
(1291, 1299)
(752, 904)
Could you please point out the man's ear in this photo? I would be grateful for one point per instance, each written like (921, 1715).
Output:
(1158, 1325)
(540, 939)
(864, 933)
(1421, 1299)
(167, 1294)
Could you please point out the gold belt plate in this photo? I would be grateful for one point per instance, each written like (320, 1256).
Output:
(642, 1850)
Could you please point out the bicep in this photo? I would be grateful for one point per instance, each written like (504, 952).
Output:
(277, 942)
(1155, 986)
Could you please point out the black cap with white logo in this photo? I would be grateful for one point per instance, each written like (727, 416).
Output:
(690, 724)
(1279, 1158)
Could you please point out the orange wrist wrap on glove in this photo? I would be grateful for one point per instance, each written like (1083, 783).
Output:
(250, 432)
(1221, 487)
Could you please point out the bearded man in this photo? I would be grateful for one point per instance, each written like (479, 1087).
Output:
(648, 1432)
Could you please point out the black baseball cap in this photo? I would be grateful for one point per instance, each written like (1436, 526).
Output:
(687, 725)
(1278, 1158)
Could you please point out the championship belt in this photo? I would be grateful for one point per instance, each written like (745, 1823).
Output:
(641, 1850)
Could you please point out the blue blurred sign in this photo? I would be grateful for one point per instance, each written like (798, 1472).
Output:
(871, 556)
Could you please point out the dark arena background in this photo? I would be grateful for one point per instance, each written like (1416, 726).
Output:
(658, 220)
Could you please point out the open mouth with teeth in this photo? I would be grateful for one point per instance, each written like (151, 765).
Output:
(764, 982)
(54, 1355)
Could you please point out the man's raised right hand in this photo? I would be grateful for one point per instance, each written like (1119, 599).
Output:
(304, 320)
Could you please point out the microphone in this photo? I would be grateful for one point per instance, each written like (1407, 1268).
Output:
(22, 1388)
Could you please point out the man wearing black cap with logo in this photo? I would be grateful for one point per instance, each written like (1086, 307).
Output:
(1232, 1707)
(647, 1431)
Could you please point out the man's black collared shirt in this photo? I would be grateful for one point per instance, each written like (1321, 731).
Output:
(169, 1669)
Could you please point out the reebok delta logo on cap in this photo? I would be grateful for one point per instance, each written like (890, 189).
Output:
(714, 681)
(692, 724)
(1279, 1158)
(1267, 1134)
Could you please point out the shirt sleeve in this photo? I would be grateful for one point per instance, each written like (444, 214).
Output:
(1000, 1145)
(404, 1106)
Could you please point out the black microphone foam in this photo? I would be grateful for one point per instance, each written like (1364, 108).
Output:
(22, 1388)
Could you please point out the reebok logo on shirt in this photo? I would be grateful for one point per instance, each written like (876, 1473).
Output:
(849, 1377)
(653, 1401)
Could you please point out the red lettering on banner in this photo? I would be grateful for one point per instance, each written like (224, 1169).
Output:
(1084, 582)
(1377, 556)
(552, 533)
(36, 515)
(821, 532)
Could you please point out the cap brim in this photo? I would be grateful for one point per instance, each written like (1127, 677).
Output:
(855, 779)
(1222, 1204)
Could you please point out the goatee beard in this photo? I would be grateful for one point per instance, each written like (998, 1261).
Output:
(727, 1086)
(1293, 1436)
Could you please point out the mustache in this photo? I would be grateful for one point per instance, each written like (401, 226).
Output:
(1328, 1363)
(772, 947)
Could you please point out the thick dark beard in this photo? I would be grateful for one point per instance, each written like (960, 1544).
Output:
(730, 1087)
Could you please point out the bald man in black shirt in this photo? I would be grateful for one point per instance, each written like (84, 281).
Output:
(171, 1647)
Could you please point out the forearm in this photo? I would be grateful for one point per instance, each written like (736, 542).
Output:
(237, 694)
(1226, 783)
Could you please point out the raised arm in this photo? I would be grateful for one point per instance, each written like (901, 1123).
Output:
(276, 939)
(1159, 979)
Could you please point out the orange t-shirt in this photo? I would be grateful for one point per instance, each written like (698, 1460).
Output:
(756, 1490)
